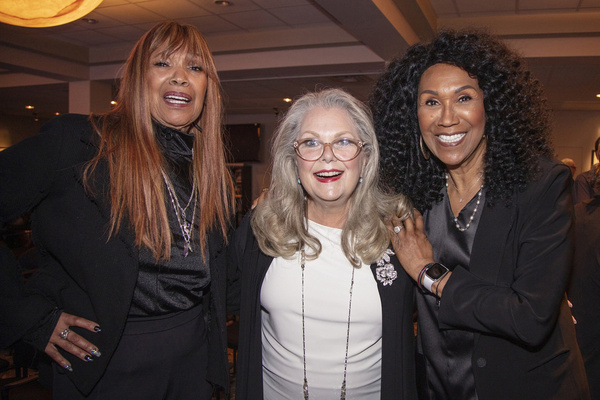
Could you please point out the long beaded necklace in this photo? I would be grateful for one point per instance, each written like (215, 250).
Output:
(305, 385)
(180, 212)
(457, 224)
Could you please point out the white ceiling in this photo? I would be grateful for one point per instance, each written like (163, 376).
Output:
(266, 50)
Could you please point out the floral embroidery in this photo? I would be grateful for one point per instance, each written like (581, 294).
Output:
(385, 270)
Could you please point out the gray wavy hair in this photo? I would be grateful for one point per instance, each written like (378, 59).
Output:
(279, 221)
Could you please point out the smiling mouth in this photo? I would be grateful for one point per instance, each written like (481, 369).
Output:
(328, 174)
(177, 99)
(451, 138)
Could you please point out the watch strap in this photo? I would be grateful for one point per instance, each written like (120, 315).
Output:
(428, 281)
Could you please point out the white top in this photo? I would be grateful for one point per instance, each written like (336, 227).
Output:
(326, 298)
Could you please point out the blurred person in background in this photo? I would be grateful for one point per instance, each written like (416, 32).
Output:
(586, 181)
(584, 287)
(571, 164)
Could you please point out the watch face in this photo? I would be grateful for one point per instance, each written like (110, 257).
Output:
(436, 271)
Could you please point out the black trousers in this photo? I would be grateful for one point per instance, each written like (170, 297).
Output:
(157, 358)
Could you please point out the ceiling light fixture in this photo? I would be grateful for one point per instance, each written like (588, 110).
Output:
(223, 3)
(287, 100)
(44, 13)
(598, 95)
(29, 107)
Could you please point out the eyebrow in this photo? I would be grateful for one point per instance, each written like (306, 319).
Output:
(460, 89)
(337, 134)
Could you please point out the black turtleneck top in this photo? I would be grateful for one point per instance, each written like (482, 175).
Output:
(178, 284)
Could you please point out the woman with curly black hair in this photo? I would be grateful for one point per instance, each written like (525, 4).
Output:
(463, 129)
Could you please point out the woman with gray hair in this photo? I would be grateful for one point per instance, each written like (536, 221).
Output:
(326, 309)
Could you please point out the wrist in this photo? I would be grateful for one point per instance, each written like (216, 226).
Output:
(438, 287)
(420, 276)
(431, 274)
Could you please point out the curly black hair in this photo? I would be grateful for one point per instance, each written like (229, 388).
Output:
(517, 117)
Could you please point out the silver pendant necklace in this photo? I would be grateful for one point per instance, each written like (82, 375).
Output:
(460, 198)
(180, 212)
(305, 385)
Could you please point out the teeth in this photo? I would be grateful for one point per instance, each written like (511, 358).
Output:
(451, 138)
(177, 99)
(328, 174)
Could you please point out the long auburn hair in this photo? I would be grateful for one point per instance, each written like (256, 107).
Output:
(131, 150)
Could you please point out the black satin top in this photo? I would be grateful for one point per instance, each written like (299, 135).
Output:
(448, 352)
(178, 284)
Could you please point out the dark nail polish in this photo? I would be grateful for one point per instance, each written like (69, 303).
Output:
(95, 352)
(68, 368)
(97, 329)
(88, 358)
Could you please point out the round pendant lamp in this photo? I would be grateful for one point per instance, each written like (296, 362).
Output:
(44, 13)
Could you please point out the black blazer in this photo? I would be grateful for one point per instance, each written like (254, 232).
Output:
(397, 301)
(584, 287)
(513, 295)
(82, 271)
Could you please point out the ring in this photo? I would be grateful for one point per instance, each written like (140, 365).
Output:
(398, 228)
(265, 189)
(64, 334)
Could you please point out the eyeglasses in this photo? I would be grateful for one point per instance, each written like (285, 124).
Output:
(343, 149)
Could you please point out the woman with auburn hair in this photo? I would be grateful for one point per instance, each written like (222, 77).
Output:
(326, 310)
(130, 298)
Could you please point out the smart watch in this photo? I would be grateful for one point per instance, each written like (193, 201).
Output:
(433, 273)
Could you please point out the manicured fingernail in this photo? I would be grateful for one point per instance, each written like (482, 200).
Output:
(68, 368)
(95, 352)
(97, 328)
(88, 358)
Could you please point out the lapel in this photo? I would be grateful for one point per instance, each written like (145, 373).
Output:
(99, 179)
(116, 258)
(259, 261)
(491, 239)
(99, 185)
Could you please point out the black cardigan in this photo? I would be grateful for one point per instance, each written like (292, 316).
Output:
(397, 300)
(82, 271)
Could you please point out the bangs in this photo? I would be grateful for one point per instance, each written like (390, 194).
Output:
(181, 39)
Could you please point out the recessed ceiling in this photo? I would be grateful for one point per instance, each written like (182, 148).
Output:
(266, 50)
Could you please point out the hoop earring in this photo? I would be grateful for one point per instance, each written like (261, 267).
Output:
(424, 150)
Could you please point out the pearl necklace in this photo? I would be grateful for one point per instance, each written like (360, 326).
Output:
(457, 224)
(180, 212)
(305, 385)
